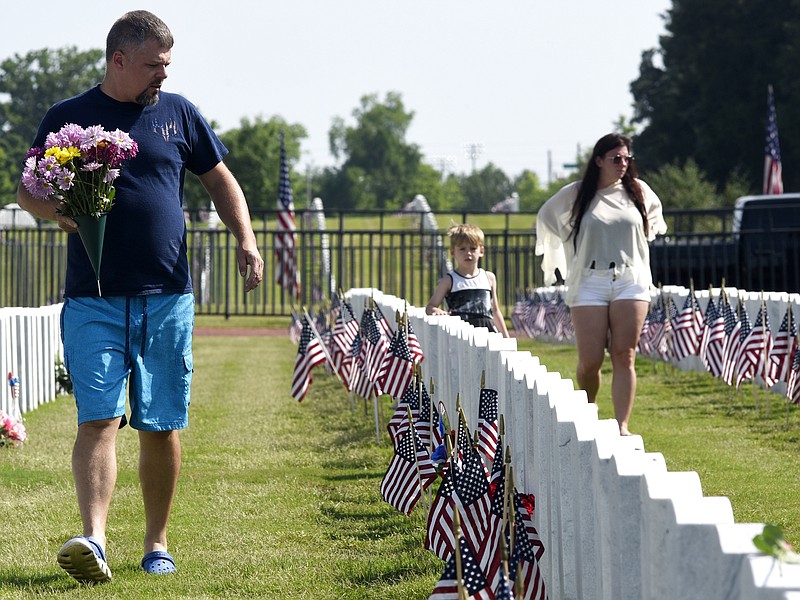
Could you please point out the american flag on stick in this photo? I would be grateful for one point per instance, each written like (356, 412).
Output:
(488, 428)
(439, 537)
(286, 273)
(688, 328)
(755, 349)
(773, 176)
(310, 353)
(409, 474)
(397, 371)
(712, 343)
(462, 578)
(793, 386)
(784, 347)
(472, 498)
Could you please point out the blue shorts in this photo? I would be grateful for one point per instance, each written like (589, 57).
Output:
(142, 340)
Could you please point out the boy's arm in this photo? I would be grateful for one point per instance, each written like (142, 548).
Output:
(439, 293)
(497, 314)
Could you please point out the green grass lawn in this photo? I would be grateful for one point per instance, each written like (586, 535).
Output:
(281, 500)
(699, 424)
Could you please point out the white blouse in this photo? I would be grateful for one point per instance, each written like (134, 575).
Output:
(611, 232)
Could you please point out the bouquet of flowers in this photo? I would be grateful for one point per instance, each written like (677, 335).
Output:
(12, 431)
(78, 167)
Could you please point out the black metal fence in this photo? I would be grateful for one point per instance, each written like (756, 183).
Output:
(397, 255)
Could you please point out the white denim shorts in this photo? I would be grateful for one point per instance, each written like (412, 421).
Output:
(601, 287)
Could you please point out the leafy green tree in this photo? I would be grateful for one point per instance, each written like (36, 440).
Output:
(484, 188)
(683, 187)
(379, 167)
(531, 196)
(254, 159)
(703, 93)
(29, 86)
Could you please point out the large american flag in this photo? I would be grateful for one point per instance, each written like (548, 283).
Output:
(310, 353)
(286, 273)
(773, 176)
(409, 474)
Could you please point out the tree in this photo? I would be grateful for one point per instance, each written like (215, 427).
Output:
(707, 98)
(379, 168)
(31, 84)
(485, 188)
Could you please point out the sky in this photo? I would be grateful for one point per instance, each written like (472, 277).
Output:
(526, 82)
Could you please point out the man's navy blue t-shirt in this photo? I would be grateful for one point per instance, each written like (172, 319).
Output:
(144, 250)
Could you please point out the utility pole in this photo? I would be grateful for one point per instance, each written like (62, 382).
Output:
(443, 163)
(473, 150)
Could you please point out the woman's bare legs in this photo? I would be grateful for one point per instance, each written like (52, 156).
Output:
(626, 318)
(591, 334)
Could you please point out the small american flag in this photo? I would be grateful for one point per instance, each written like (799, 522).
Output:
(472, 498)
(397, 371)
(793, 386)
(439, 537)
(756, 349)
(472, 577)
(286, 273)
(783, 347)
(731, 337)
(345, 329)
(398, 423)
(409, 474)
(712, 342)
(743, 366)
(688, 328)
(310, 353)
(414, 345)
(528, 551)
(488, 428)
(773, 177)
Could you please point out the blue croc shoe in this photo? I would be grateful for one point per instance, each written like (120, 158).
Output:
(83, 558)
(158, 563)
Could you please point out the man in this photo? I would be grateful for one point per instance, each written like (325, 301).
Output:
(139, 333)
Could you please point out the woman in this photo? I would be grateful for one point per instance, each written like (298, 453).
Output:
(596, 233)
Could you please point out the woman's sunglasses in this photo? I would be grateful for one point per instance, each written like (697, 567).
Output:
(619, 158)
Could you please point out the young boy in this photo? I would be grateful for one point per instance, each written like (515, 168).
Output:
(470, 292)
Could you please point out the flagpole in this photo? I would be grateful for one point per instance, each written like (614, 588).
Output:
(790, 357)
(462, 593)
(764, 356)
(412, 432)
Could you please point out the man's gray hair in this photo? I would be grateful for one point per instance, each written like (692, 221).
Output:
(133, 29)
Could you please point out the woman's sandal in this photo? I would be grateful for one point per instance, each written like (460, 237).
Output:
(158, 562)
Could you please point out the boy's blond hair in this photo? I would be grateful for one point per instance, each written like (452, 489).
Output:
(471, 234)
